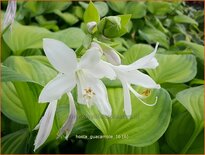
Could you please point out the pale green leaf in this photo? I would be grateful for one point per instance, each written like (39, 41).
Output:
(198, 50)
(15, 143)
(91, 14)
(193, 100)
(99, 147)
(117, 6)
(152, 36)
(11, 104)
(137, 9)
(184, 19)
(159, 8)
(154, 119)
(174, 68)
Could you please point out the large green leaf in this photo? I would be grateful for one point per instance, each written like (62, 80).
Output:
(117, 6)
(15, 143)
(146, 125)
(184, 19)
(24, 37)
(174, 68)
(11, 104)
(136, 52)
(159, 8)
(73, 36)
(102, 8)
(9, 74)
(198, 50)
(20, 99)
(180, 131)
(20, 38)
(137, 9)
(67, 17)
(152, 35)
(193, 100)
(37, 8)
(30, 68)
(98, 146)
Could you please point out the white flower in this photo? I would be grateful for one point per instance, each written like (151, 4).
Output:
(129, 74)
(85, 74)
(10, 13)
(111, 55)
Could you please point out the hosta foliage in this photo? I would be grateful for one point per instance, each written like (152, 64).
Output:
(174, 125)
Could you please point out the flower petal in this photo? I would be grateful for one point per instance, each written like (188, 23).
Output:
(57, 87)
(127, 100)
(148, 61)
(102, 69)
(91, 57)
(101, 98)
(46, 124)
(69, 123)
(111, 56)
(60, 55)
(141, 79)
(98, 93)
(10, 13)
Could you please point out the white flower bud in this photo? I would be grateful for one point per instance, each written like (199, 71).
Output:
(91, 26)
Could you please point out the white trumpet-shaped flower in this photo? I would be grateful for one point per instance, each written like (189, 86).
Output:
(129, 74)
(85, 73)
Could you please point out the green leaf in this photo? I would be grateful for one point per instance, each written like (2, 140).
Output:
(15, 143)
(193, 100)
(137, 9)
(152, 35)
(98, 146)
(37, 8)
(73, 36)
(29, 93)
(159, 8)
(117, 6)
(33, 70)
(174, 68)
(184, 19)
(11, 104)
(135, 52)
(125, 149)
(20, 38)
(179, 131)
(9, 74)
(67, 17)
(198, 145)
(102, 8)
(5, 51)
(154, 119)
(15, 99)
(197, 49)
(91, 13)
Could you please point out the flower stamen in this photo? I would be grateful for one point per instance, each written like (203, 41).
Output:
(88, 95)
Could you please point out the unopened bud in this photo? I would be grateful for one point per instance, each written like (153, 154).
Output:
(91, 26)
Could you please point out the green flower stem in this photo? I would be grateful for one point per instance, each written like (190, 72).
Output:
(196, 132)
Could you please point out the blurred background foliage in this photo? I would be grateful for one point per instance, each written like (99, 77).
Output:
(177, 26)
